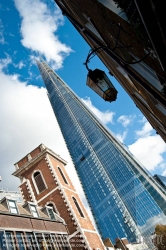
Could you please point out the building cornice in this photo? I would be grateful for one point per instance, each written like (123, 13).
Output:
(35, 159)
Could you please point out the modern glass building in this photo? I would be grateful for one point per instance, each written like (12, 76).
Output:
(161, 180)
(124, 198)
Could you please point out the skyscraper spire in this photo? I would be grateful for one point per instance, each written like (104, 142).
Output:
(124, 198)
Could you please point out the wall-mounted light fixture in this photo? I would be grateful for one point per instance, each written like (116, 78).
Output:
(98, 80)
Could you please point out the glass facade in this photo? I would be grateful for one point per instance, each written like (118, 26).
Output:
(124, 198)
(161, 180)
(33, 241)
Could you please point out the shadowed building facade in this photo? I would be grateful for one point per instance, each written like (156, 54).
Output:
(131, 36)
(124, 198)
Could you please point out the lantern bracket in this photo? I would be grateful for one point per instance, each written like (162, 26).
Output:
(92, 53)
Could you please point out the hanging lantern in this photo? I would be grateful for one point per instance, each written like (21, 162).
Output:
(101, 84)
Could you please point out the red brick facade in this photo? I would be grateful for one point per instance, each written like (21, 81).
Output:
(59, 193)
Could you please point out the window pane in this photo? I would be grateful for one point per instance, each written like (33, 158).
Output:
(13, 210)
(51, 213)
(78, 207)
(34, 211)
(10, 241)
(55, 244)
(53, 208)
(12, 204)
(48, 242)
(34, 214)
(63, 177)
(2, 240)
(31, 241)
(41, 241)
(39, 182)
(33, 208)
(20, 241)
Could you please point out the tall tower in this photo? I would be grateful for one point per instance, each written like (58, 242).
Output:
(46, 183)
(124, 198)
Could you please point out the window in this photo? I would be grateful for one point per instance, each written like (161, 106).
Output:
(78, 207)
(110, 4)
(20, 240)
(51, 213)
(12, 207)
(53, 207)
(10, 243)
(82, 158)
(54, 241)
(39, 181)
(34, 211)
(149, 74)
(59, 241)
(31, 241)
(2, 240)
(64, 179)
(41, 241)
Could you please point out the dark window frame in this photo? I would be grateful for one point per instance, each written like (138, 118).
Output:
(40, 183)
(78, 207)
(63, 176)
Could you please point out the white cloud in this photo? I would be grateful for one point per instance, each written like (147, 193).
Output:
(106, 116)
(27, 120)
(15, 77)
(5, 61)
(122, 136)
(19, 65)
(145, 131)
(148, 148)
(143, 119)
(164, 173)
(38, 27)
(126, 120)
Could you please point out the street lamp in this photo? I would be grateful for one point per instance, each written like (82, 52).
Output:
(99, 82)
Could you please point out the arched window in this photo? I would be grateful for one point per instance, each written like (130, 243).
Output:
(63, 177)
(39, 181)
(78, 207)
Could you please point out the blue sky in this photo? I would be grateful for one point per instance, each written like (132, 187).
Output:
(33, 28)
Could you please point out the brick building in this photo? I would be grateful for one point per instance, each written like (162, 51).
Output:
(131, 45)
(45, 183)
(28, 226)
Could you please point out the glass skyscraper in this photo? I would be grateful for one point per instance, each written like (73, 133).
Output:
(124, 198)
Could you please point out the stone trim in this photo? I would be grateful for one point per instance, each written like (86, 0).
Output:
(35, 159)
(30, 191)
(29, 230)
(69, 189)
(45, 196)
(22, 194)
(29, 157)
